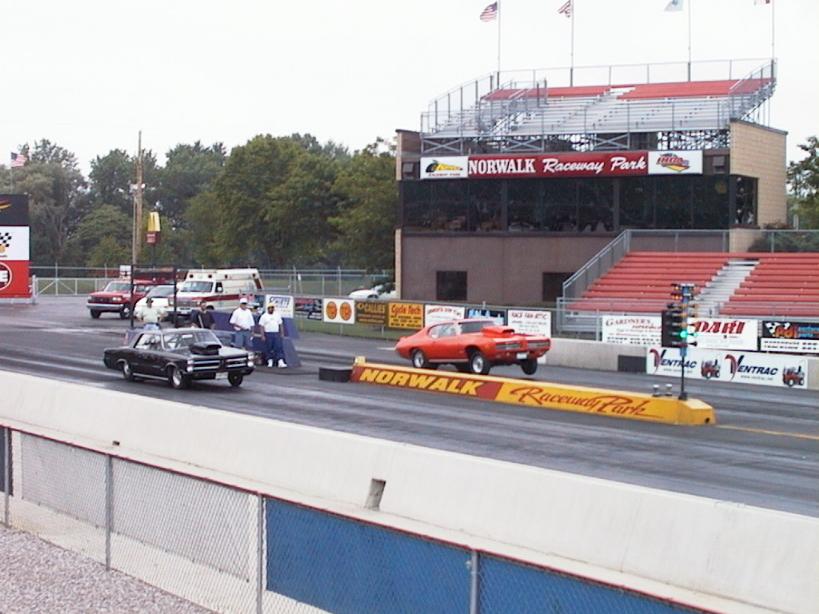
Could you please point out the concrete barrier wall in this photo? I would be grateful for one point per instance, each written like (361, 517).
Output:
(659, 542)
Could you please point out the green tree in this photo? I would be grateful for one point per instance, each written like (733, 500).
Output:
(272, 202)
(110, 180)
(367, 212)
(189, 170)
(56, 190)
(803, 180)
(103, 237)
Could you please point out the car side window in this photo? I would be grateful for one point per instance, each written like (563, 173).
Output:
(149, 341)
(435, 331)
(219, 287)
(447, 330)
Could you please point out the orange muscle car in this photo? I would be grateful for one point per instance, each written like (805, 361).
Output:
(473, 346)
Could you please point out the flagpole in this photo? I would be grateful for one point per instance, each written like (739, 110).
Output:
(499, 44)
(773, 30)
(690, 7)
(571, 51)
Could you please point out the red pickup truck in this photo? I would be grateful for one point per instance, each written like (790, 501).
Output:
(116, 297)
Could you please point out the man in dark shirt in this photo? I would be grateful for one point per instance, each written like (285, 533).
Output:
(204, 317)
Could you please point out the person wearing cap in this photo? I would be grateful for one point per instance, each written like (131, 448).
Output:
(242, 322)
(149, 315)
(271, 323)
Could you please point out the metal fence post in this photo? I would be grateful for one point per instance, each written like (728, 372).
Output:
(474, 606)
(259, 552)
(7, 471)
(109, 508)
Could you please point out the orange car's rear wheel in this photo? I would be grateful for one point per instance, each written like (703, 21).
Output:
(420, 361)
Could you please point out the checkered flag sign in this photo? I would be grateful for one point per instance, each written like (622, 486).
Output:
(5, 241)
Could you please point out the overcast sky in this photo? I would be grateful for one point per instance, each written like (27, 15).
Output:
(88, 74)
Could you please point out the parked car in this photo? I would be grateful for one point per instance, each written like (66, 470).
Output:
(116, 297)
(179, 356)
(379, 291)
(473, 346)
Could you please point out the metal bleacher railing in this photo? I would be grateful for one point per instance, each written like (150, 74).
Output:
(520, 103)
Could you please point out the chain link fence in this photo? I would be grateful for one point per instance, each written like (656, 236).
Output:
(233, 550)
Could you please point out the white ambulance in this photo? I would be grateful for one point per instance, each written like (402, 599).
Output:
(220, 288)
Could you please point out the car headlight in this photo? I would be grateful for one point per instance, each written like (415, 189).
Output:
(250, 362)
(117, 299)
(190, 365)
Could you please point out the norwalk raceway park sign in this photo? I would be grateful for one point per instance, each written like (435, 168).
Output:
(544, 395)
(730, 366)
(569, 164)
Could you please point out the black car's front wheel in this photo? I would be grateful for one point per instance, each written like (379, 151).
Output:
(127, 371)
(529, 366)
(177, 379)
(478, 363)
(235, 379)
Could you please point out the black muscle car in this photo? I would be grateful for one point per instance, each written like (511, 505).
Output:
(179, 356)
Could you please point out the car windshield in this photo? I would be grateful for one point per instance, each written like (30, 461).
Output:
(161, 291)
(475, 326)
(197, 286)
(118, 286)
(177, 341)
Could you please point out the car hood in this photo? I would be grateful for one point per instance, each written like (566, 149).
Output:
(109, 294)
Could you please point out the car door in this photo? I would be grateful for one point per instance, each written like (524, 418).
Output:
(450, 343)
(148, 349)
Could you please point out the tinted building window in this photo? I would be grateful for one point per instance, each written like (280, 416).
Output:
(674, 202)
(450, 286)
(485, 205)
(711, 203)
(637, 202)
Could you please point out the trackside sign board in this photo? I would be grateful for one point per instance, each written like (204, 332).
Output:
(545, 395)
(710, 333)
(790, 336)
(567, 164)
(730, 366)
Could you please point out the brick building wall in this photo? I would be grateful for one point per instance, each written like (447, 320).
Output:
(757, 151)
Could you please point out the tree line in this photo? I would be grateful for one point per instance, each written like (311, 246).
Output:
(274, 201)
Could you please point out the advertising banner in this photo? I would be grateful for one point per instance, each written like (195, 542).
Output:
(435, 314)
(14, 279)
(371, 312)
(677, 162)
(285, 305)
(790, 336)
(574, 164)
(711, 333)
(631, 330)
(14, 243)
(339, 310)
(405, 315)
(614, 403)
(13, 210)
(445, 167)
(498, 315)
(308, 307)
(730, 366)
(530, 321)
(725, 333)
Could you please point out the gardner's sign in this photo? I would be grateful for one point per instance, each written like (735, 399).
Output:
(567, 164)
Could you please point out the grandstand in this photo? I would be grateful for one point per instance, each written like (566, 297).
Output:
(734, 284)
(537, 116)
(516, 180)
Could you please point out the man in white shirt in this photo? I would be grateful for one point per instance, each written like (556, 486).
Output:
(271, 323)
(242, 322)
(149, 315)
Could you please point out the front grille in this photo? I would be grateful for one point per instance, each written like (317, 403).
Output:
(218, 364)
(238, 362)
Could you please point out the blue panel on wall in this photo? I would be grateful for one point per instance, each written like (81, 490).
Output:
(506, 586)
(346, 566)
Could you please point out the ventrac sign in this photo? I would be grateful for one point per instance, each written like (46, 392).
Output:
(570, 164)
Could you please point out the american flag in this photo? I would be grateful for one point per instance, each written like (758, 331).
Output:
(490, 13)
(18, 160)
(566, 9)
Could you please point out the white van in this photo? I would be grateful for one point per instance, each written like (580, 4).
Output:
(220, 288)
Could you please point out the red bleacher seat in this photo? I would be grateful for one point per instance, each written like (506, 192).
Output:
(781, 284)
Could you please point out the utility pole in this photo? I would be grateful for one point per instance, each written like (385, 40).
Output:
(138, 190)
